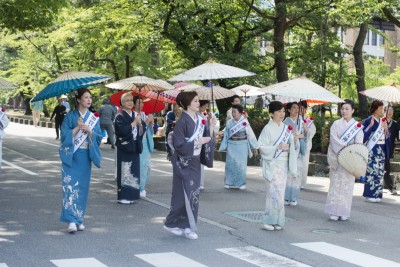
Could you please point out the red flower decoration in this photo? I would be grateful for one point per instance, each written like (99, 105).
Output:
(244, 123)
(96, 114)
(3, 110)
(305, 121)
(311, 118)
(290, 127)
(244, 112)
(359, 125)
(203, 121)
(383, 119)
(205, 113)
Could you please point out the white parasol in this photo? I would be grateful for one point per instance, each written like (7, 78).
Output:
(302, 88)
(140, 83)
(218, 92)
(388, 93)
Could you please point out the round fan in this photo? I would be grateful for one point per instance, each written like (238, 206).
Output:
(354, 159)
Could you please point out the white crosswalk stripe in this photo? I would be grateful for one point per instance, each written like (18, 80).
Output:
(345, 254)
(3, 265)
(82, 262)
(168, 259)
(260, 257)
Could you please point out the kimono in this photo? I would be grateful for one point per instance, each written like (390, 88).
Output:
(186, 160)
(310, 135)
(275, 171)
(294, 180)
(129, 146)
(340, 194)
(145, 156)
(238, 148)
(376, 160)
(4, 121)
(76, 167)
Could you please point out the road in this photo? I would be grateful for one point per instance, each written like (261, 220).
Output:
(132, 235)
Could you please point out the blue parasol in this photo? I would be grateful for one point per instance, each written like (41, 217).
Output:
(70, 81)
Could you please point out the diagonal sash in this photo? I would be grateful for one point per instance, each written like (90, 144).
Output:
(351, 132)
(240, 125)
(283, 139)
(80, 137)
(309, 121)
(376, 136)
(198, 132)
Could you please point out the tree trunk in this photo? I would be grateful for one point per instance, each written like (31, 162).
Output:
(360, 71)
(279, 41)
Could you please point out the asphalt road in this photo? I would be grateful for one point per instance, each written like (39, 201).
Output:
(132, 235)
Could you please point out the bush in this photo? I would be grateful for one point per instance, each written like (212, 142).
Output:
(320, 141)
(257, 119)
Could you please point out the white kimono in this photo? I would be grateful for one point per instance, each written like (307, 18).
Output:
(306, 159)
(3, 124)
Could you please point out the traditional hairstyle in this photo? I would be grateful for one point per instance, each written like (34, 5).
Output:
(204, 102)
(375, 105)
(304, 103)
(183, 99)
(238, 107)
(290, 105)
(348, 101)
(234, 97)
(275, 106)
(136, 98)
(79, 93)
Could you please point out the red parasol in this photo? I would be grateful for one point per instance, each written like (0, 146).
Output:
(149, 105)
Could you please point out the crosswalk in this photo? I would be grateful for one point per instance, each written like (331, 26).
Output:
(249, 254)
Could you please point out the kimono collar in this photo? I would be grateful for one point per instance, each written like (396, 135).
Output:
(348, 122)
(127, 112)
(83, 115)
(276, 124)
(195, 116)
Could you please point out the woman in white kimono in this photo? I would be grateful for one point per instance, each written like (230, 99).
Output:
(239, 142)
(300, 132)
(279, 157)
(340, 194)
(3, 124)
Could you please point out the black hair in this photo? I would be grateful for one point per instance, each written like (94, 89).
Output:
(183, 99)
(79, 93)
(348, 101)
(238, 107)
(136, 98)
(234, 97)
(203, 102)
(304, 103)
(275, 106)
(289, 105)
(375, 105)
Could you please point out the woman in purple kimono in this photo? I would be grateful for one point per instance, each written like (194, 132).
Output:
(192, 147)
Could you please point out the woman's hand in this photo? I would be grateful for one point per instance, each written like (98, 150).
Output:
(284, 147)
(203, 140)
(150, 119)
(220, 133)
(255, 152)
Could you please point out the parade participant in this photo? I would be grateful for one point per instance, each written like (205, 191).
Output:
(148, 147)
(310, 135)
(171, 120)
(129, 130)
(299, 133)
(376, 137)
(235, 100)
(80, 140)
(343, 132)
(59, 111)
(192, 146)
(37, 108)
(239, 142)
(4, 121)
(279, 157)
(394, 134)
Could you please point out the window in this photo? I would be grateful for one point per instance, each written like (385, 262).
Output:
(374, 39)
(366, 42)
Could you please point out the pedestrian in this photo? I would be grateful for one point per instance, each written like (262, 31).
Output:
(279, 157)
(394, 134)
(340, 194)
(37, 108)
(148, 148)
(192, 146)
(240, 143)
(204, 105)
(309, 121)
(376, 137)
(300, 131)
(129, 131)
(59, 111)
(171, 120)
(4, 121)
(80, 140)
(155, 125)
(107, 114)
(65, 103)
(235, 100)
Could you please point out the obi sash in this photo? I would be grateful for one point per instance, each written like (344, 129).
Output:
(80, 137)
(283, 139)
(376, 136)
(351, 132)
(240, 125)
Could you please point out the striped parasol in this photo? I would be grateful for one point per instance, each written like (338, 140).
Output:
(140, 83)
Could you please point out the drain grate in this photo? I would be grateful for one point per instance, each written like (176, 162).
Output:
(249, 216)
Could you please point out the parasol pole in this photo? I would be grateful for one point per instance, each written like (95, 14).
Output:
(155, 104)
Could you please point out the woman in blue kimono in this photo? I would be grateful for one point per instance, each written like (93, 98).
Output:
(80, 140)
(129, 130)
(376, 137)
(239, 142)
(148, 147)
(192, 146)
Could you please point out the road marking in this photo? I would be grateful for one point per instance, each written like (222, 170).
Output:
(347, 255)
(42, 142)
(83, 262)
(260, 257)
(156, 170)
(168, 259)
(19, 168)
(108, 159)
(3, 265)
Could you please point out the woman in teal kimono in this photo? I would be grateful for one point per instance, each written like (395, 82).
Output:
(239, 142)
(80, 140)
(145, 156)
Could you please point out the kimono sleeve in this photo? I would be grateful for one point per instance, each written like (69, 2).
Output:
(150, 140)
(184, 148)
(207, 150)
(224, 141)
(334, 140)
(94, 143)
(122, 128)
(368, 132)
(66, 150)
(267, 150)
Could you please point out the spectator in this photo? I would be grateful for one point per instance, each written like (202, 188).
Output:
(37, 108)
(59, 111)
(107, 114)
